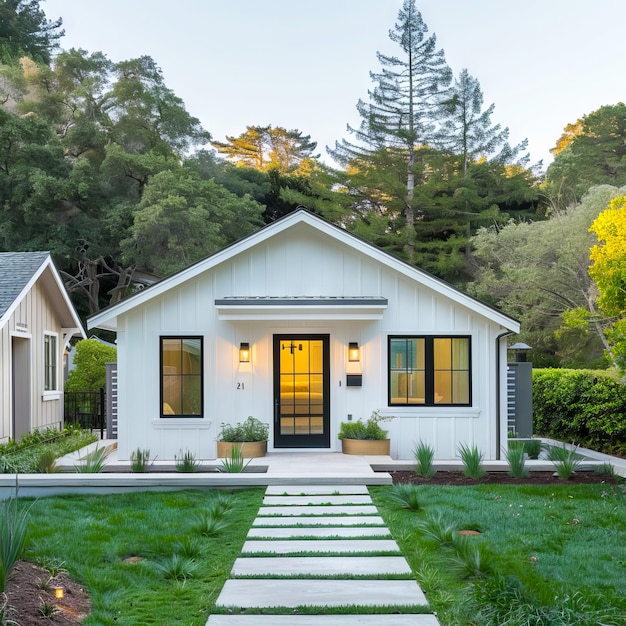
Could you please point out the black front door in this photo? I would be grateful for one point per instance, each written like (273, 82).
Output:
(301, 391)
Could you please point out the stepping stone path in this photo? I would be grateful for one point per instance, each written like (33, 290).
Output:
(304, 532)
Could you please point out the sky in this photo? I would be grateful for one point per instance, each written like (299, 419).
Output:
(305, 64)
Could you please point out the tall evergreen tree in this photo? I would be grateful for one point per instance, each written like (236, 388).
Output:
(403, 108)
(468, 130)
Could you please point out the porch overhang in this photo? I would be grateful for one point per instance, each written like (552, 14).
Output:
(301, 308)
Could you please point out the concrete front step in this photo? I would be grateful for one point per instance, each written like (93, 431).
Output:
(318, 531)
(392, 619)
(267, 593)
(326, 520)
(299, 490)
(320, 545)
(321, 566)
(316, 499)
(357, 509)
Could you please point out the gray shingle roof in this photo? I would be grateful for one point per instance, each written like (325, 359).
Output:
(16, 270)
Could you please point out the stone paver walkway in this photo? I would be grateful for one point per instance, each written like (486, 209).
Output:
(326, 547)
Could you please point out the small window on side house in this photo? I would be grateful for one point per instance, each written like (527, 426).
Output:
(181, 377)
(51, 360)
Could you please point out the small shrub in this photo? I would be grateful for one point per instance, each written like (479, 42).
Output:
(370, 429)
(472, 461)
(140, 461)
(424, 454)
(251, 429)
(565, 460)
(515, 457)
(405, 496)
(187, 462)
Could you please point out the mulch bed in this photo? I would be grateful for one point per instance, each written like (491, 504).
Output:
(499, 478)
(30, 593)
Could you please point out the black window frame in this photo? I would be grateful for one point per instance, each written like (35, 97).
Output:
(429, 371)
(181, 338)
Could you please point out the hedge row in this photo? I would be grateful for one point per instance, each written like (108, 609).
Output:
(583, 406)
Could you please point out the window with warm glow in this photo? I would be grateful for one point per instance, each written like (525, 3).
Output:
(429, 371)
(181, 377)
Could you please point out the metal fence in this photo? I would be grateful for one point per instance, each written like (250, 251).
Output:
(86, 408)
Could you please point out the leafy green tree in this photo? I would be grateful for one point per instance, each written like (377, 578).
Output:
(538, 273)
(594, 154)
(25, 31)
(267, 147)
(182, 219)
(89, 373)
(398, 121)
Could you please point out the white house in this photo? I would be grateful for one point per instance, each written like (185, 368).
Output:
(37, 321)
(303, 325)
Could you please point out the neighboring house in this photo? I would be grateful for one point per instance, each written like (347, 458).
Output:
(303, 325)
(37, 321)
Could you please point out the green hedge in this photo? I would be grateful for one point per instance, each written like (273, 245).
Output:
(587, 407)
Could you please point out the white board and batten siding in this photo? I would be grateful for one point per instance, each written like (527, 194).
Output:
(307, 258)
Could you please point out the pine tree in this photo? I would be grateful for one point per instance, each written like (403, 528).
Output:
(400, 116)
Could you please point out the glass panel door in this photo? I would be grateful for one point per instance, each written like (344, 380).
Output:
(301, 391)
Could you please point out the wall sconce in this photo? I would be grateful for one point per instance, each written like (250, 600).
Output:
(244, 352)
(59, 593)
(354, 354)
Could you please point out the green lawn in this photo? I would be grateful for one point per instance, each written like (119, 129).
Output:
(188, 541)
(545, 555)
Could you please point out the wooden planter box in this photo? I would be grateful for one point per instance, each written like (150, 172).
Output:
(250, 449)
(365, 446)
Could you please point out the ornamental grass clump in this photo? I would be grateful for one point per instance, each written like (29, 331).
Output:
(187, 462)
(472, 461)
(13, 527)
(516, 458)
(565, 460)
(236, 463)
(405, 496)
(424, 454)
(140, 461)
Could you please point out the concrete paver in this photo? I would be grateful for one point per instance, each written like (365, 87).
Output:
(321, 565)
(317, 499)
(291, 546)
(319, 531)
(326, 520)
(261, 593)
(301, 490)
(357, 509)
(393, 619)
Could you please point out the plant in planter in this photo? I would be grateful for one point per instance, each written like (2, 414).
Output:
(365, 437)
(250, 436)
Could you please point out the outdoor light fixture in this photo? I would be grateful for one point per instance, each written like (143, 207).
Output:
(520, 350)
(244, 352)
(59, 593)
(354, 354)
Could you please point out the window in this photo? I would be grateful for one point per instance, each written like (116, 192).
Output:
(50, 360)
(429, 371)
(181, 377)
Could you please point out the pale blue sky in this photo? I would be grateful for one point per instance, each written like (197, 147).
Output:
(304, 64)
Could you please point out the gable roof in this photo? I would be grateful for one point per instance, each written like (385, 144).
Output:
(107, 318)
(18, 273)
